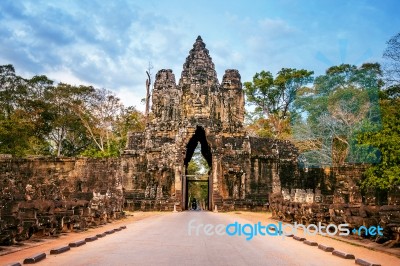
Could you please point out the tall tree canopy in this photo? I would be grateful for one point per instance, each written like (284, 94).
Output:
(272, 98)
(38, 117)
(392, 56)
(341, 104)
(386, 174)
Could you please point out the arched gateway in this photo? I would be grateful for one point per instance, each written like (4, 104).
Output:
(244, 170)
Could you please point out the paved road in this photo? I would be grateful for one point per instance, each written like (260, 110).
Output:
(165, 240)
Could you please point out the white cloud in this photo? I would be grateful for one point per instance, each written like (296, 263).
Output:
(110, 43)
(105, 44)
(132, 98)
(65, 76)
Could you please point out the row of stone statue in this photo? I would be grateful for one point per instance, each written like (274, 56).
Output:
(302, 195)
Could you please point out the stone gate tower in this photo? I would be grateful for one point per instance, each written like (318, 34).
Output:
(243, 170)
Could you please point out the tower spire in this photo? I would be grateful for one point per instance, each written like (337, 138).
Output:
(199, 66)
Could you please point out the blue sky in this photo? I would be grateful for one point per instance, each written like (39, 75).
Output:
(109, 44)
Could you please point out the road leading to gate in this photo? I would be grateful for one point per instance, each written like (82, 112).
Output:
(164, 240)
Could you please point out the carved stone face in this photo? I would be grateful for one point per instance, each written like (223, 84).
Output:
(310, 198)
(286, 197)
(318, 198)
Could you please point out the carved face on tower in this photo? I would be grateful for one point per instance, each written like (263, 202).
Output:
(199, 98)
(198, 81)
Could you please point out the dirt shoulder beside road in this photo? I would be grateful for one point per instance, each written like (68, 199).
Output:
(362, 250)
(34, 246)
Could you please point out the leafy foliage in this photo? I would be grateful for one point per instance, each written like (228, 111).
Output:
(386, 174)
(198, 164)
(38, 117)
(272, 99)
(329, 116)
(392, 56)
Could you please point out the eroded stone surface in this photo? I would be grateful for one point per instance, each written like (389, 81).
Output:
(46, 196)
(199, 109)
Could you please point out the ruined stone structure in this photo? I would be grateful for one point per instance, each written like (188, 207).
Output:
(243, 170)
(42, 196)
(333, 195)
(50, 195)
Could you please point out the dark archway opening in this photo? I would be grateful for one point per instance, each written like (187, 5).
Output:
(191, 183)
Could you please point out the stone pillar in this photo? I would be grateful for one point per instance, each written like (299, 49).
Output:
(276, 182)
(178, 187)
(256, 170)
(216, 176)
(243, 186)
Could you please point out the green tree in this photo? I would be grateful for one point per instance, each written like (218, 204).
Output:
(37, 117)
(98, 115)
(107, 122)
(25, 120)
(198, 164)
(288, 82)
(68, 135)
(13, 136)
(261, 93)
(130, 120)
(11, 90)
(386, 174)
(272, 99)
(37, 108)
(329, 116)
(392, 64)
(193, 168)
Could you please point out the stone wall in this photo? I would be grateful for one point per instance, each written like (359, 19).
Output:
(48, 195)
(54, 194)
(333, 195)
